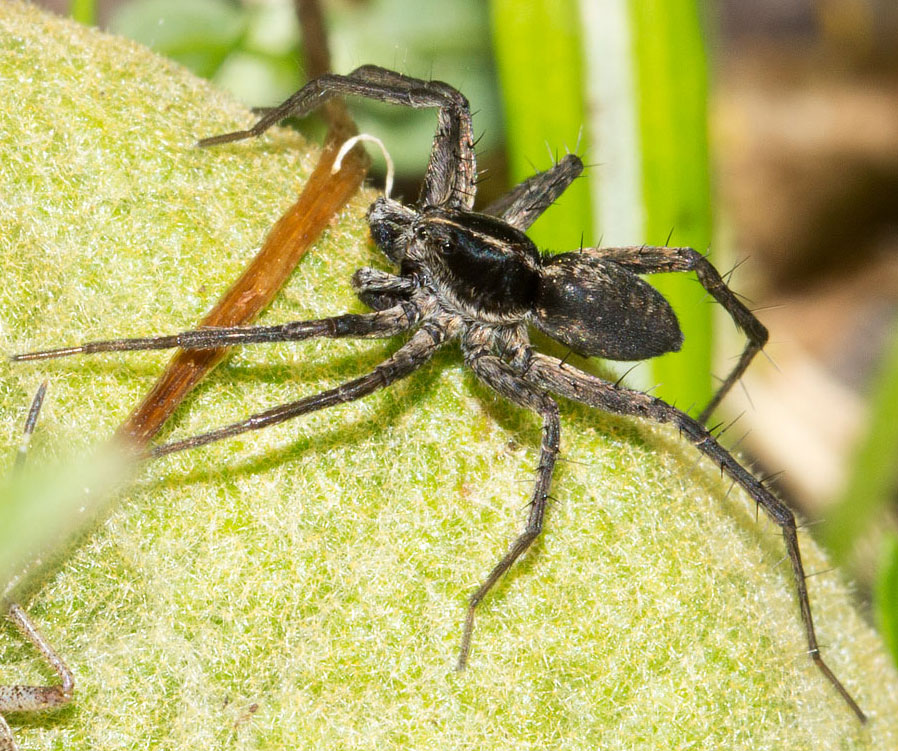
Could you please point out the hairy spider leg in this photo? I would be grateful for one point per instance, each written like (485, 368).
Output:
(34, 412)
(405, 361)
(21, 698)
(524, 203)
(451, 172)
(501, 377)
(548, 373)
(380, 324)
(33, 698)
(651, 259)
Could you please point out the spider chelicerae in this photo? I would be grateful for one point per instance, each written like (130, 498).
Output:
(476, 279)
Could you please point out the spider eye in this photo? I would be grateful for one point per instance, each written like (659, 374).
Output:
(446, 246)
(421, 233)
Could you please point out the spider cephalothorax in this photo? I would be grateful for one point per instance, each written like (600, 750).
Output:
(476, 278)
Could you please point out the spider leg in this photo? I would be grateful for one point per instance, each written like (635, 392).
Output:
(524, 203)
(500, 376)
(380, 290)
(407, 359)
(449, 180)
(382, 323)
(20, 698)
(34, 698)
(648, 259)
(547, 373)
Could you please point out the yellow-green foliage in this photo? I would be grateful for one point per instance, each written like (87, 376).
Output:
(306, 587)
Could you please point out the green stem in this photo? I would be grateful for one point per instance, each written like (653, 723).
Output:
(537, 47)
(672, 74)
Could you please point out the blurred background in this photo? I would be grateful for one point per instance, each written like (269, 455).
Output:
(765, 133)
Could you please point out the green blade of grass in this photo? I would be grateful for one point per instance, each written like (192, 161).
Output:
(886, 597)
(612, 121)
(537, 47)
(671, 73)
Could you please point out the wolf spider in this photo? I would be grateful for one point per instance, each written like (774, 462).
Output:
(476, 278)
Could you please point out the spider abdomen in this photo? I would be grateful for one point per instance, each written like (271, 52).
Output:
(600, 309)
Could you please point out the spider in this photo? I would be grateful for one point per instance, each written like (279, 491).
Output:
(475, 278)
